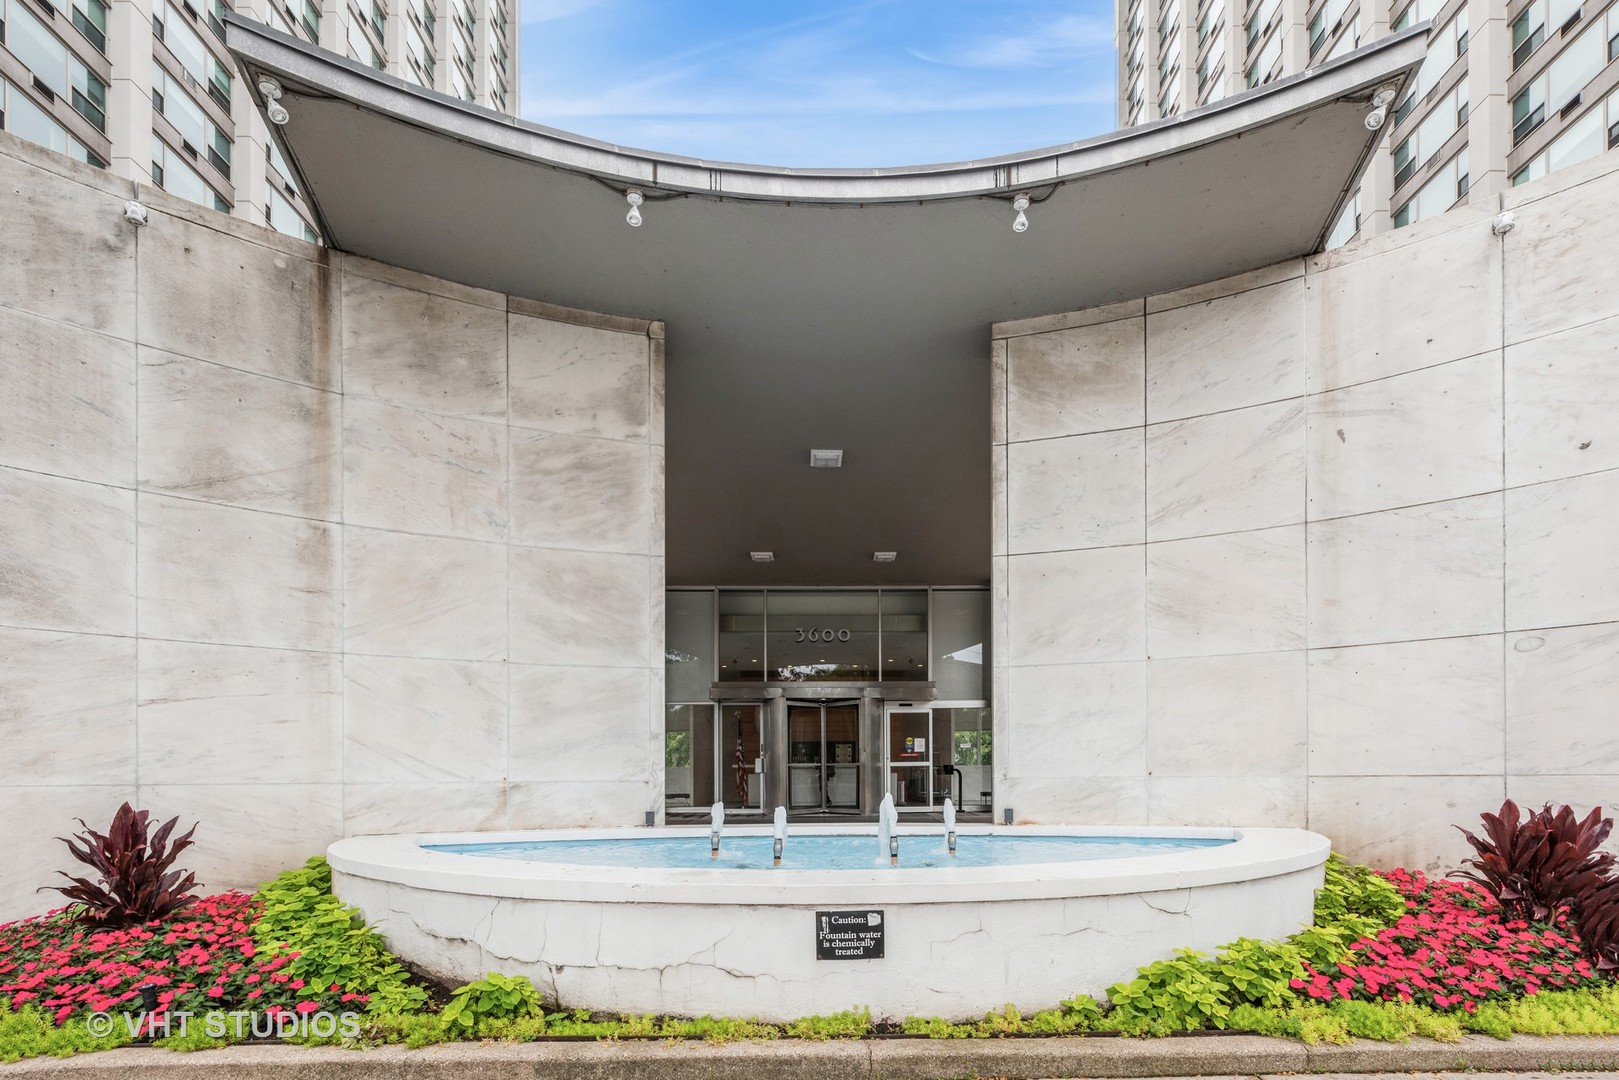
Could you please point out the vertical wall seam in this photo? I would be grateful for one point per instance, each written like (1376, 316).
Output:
(1146, 607)
(336, 291)
(1505, 714)
(1304, 365)
(506, 769)
(135, 349)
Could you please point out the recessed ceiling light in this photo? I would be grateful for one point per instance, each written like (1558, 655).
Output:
(826, 459)
(762, 556)
(884, 556)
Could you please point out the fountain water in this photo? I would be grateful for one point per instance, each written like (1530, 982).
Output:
(716, 817)
(781, 833)
(950, 825)
(888, 830)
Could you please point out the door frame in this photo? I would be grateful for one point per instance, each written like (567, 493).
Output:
(925, 766)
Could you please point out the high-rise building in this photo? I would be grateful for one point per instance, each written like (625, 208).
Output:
(1511, 89)
(147, 89)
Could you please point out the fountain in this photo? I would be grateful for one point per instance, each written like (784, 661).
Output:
(950, 825)
(716, 822)
(781, 833)
(637, 920)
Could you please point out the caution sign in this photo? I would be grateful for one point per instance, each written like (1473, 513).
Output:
(849, 935)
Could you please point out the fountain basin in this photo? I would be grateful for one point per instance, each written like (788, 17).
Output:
(956, 941)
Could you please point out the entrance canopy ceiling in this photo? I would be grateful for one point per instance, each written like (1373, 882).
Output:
(841, 308)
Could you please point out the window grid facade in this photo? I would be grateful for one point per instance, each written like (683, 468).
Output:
(147, 89)
(1511, 89)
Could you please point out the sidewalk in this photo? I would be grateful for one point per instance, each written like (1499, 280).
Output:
(887, 1059)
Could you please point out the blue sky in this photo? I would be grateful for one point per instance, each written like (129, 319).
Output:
(780, 82)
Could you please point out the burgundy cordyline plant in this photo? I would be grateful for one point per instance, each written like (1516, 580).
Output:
(1547, 863)
(136, 884)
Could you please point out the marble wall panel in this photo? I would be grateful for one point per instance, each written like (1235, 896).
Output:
(70, 255)
(35, 817)
(1081, 491)
(237, 577)
(1418, 437)
(1079, 720)
(1558, 275)
(426, 351)
(1562, 404)
(427, 596)
(212, 295)
(69, 405)
(579, 380)
(1410, 708)
(1227, 472)
(1234, 593)
(1218, 716)
(1421, 572)
(412, 720)
(585, 494)
(1372, 317)
(578, 804)
(1090, 800)
(402, 806)
(425, 473)
(1070, 382)
(1047, 622)
(573, 724)
(68, 561)
(223, 435)
(67, 708)
(1561, 686)
(223, 714)
(1226, 353)
(1561, 567)
(580, 608)
(249, 833)
(1402, 820)
(1254, 801)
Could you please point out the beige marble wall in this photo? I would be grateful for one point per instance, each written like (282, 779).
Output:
(1331, 544)
(300, 545)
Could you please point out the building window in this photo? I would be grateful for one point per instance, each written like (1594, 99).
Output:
(173, 174)
(1558, 87)
(90, 17)
(54, 67)
(21, 116)
(171, 27)
(1347, 225)
(1430, 136)
(199, 134)
(1439, 194)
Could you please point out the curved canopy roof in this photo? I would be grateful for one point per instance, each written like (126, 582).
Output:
(843, 308)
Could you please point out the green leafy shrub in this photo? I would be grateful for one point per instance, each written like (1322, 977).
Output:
(1183, 993)
(491, 998)
(134, 881)
(332, 942)
(1258, 972)
(935, 1028)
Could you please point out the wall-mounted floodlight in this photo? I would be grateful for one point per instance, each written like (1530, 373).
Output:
(1020, 203)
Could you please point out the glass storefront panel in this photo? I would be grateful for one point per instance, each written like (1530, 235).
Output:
(961, 644)
(822, 636)
(971, 762)
(905, 635)
(742, 636)
(688, 645)
(688, 756)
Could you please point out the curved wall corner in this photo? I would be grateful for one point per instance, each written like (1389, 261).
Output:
(301, 546)
(1327, 545)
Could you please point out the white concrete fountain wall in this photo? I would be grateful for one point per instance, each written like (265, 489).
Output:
(727, 942)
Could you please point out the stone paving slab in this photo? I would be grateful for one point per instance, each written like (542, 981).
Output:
(1015, 1059)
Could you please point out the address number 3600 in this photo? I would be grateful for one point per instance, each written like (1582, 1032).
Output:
(819, 634)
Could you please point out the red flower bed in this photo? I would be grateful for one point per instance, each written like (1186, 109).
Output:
(204, 958)
(1453, 949)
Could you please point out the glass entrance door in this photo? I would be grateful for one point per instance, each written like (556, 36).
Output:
(824, 767)
(739, 759)
(910, 757)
